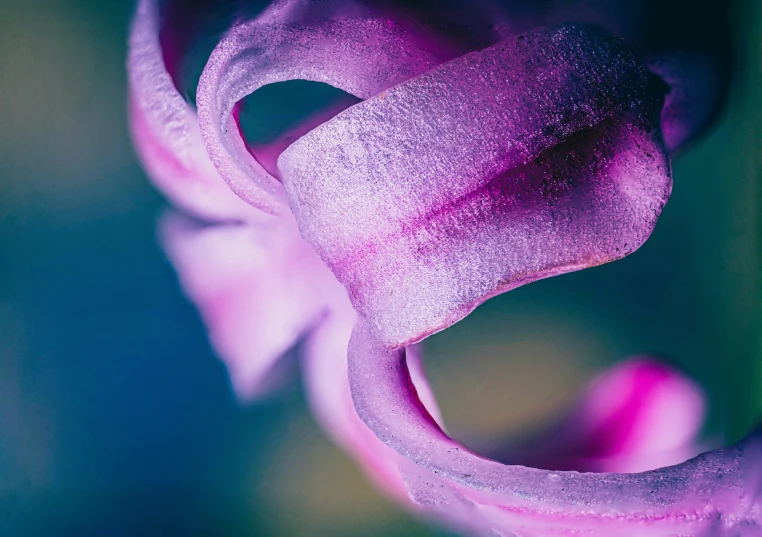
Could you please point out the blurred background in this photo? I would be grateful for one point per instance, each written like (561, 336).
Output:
(117, 419)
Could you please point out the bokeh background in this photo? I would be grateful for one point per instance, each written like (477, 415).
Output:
(117, 419)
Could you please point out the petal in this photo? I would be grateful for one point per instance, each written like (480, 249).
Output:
(259, 288)
(532, 158)
(336, 43)
(639, 416)
(165, 128)
(714, 494)
(327, 387)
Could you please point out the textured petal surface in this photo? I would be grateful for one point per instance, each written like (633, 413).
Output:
(715, 494)
(534, 157)
(258, 287)
(327, 387)
(165, 129)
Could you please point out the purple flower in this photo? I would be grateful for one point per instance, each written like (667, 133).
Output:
(491, 147)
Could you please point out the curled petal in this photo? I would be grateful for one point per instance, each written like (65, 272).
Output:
(259, 288)
(227, 271)
(537, 156)
(338, 44)
(716, 493)
(326, 382)
(650, 415)
(165, 128)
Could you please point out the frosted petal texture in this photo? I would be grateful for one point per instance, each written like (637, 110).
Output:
(535, 157)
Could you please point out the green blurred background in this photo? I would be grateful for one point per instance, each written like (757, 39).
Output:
(117, 419)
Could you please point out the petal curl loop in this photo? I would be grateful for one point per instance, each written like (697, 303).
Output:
(717, 493)
(339, 44)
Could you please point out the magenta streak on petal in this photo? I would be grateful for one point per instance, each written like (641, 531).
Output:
(165, 129)
(713, 494)
(291, 40)
(638, 416)
(627, 404)
(534, 157)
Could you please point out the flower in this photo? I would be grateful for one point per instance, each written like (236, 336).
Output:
(484, 154)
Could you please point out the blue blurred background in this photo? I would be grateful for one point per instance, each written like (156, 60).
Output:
(117, 419)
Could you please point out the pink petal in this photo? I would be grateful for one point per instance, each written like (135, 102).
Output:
(248, 286)
(637, 416)
(714, 494)
(259, 288)
(327, 387)
(537, 156)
